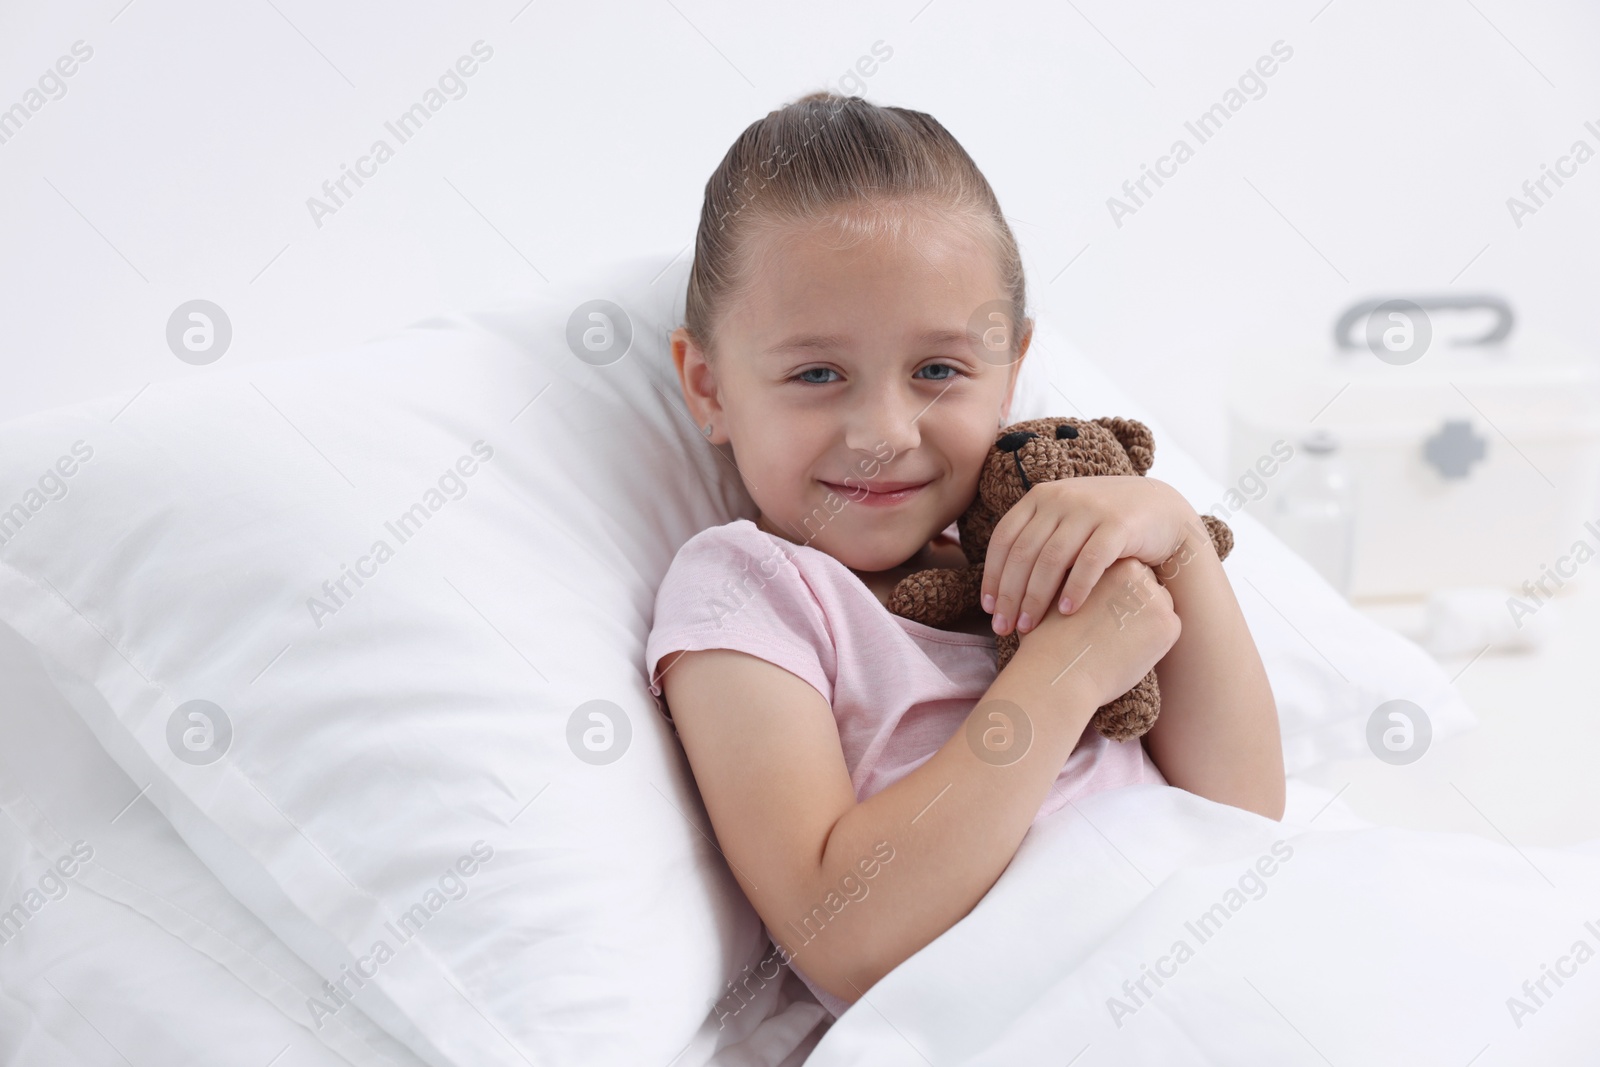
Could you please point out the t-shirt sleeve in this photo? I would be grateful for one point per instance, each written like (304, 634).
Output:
(738, 589)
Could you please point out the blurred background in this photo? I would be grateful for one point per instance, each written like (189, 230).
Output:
(201, 181)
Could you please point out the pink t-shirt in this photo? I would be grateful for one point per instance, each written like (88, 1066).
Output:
(898, 689)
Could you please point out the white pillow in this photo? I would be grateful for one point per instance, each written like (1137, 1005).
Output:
(397, 740)
(111, 914)
(175, 548)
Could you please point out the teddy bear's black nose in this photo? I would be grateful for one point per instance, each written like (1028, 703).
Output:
(1066, 431)
(1012, 442)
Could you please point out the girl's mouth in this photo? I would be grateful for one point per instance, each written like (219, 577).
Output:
(861, 493)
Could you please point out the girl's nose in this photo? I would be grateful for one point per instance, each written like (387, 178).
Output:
(891, 420)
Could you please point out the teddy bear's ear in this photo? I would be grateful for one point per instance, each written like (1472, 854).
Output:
(1135, 438)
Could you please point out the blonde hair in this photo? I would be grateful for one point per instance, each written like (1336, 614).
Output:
(829, 158)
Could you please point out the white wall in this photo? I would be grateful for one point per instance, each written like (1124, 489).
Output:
(179, 161)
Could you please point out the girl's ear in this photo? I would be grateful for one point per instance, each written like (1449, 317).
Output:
(1014, 371)
(681, 341)
(696, 378)
(1135, 438)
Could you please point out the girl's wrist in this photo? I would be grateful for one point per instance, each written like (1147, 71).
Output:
(1195, 546)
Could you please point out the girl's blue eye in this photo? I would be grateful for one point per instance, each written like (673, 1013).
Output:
(801, 377)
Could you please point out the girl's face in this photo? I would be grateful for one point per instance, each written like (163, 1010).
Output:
(852, 370)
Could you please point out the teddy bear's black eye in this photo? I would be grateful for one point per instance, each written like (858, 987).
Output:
(1065, 431)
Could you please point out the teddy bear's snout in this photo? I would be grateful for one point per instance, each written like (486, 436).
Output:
(1012, 443)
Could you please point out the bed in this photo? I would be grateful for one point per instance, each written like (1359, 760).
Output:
(303, 665)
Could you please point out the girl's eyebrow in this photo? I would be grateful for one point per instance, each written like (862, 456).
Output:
(829, 342)
(817, 341)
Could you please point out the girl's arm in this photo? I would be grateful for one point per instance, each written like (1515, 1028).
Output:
(850, 890)
(1217, 734)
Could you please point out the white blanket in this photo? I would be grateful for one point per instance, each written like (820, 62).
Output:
(1148, 925)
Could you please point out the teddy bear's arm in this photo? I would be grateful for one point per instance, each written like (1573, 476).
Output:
(938, 596)
(1221, 535)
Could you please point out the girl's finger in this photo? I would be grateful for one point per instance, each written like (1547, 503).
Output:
(1005, 533)
(1049, 568)
(1020, 565)
(1103, 548)
(1015, 568)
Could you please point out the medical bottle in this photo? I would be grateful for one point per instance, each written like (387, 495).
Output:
(1315, 510)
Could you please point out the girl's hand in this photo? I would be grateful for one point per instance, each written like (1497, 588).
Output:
(1083, 525)
(1125, 627)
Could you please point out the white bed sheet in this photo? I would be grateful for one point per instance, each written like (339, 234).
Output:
(1364, 945)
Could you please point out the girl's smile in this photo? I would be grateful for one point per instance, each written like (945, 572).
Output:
(883, 495)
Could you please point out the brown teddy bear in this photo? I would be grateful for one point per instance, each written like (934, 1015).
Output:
(1025, 454)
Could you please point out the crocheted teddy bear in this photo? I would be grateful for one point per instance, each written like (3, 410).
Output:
(1023, 455)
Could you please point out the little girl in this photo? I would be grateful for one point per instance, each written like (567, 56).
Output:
(849, 335)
